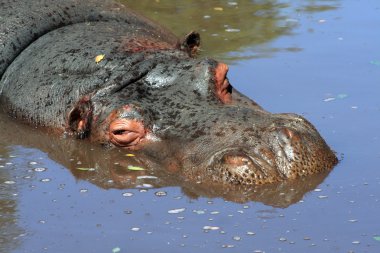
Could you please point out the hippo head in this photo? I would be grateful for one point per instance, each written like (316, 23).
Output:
(185, 113)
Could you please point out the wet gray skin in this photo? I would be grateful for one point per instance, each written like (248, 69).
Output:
(150, 94)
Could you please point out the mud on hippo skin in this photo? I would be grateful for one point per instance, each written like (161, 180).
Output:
(149, 94)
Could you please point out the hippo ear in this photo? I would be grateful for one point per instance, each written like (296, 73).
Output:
(191, 43)
(79, 118)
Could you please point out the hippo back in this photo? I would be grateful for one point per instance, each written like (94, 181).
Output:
(24, 21)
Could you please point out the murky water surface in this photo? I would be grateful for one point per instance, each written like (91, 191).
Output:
(316, 58)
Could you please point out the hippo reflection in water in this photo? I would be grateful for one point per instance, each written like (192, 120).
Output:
(97, 71)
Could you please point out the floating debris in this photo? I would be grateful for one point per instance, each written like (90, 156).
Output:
(232, 3)
(135, 168)
(160, 194)
(9, 182)
(329, 99)
(199, 211)
(127, 194)
(232, 30)
(45, 180)
(211, 228)
(85, 169)
(218, 9)
(130, 155)
(147, 177)
(178, 210)
(377, 63)
(39, 169)
(135, 229)
(342, 96)
(116, 250)
(236, 238)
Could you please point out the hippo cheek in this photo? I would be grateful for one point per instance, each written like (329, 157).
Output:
(127, 133)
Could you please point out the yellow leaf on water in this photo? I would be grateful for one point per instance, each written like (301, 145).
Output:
(135, 168)
(99, 58)
(218, 9)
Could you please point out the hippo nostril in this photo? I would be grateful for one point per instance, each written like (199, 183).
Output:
(236, 160)
(287, 133)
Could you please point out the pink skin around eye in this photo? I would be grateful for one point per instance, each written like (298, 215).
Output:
(127, 133)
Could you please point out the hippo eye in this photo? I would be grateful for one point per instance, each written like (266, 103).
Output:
(126, 132)
(119, 132)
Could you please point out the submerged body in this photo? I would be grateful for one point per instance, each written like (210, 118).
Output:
(98, 71)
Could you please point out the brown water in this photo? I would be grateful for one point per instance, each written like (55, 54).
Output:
(316, 58)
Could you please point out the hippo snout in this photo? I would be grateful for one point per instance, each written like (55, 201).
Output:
(291, 148)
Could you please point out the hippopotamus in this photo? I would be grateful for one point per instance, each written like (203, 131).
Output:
(96, 70)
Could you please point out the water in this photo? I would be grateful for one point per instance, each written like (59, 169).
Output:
(320, 59)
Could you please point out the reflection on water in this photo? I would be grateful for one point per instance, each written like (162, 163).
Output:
(9, 230)
(109, 169)
(228, 28)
